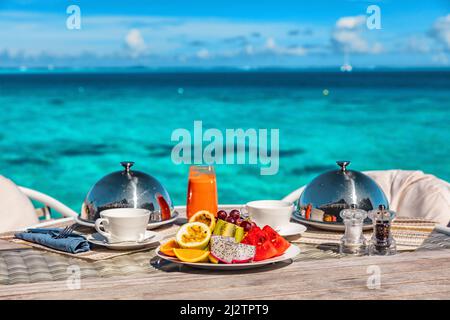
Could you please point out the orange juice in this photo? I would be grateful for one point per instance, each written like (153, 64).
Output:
(202, 190)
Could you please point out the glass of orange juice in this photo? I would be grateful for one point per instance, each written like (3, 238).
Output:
(202, 190)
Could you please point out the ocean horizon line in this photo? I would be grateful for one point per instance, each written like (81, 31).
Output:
(275, 69)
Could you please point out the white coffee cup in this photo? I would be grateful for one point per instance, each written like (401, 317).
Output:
(275, 213)
(123, 224)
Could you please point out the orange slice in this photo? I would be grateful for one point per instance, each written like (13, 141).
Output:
(191, 255)
(212, 259)
(167, 248)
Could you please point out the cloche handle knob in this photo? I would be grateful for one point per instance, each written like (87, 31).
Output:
(127, 165)
(343, 165)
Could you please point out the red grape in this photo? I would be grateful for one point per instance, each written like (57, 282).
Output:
(235, 214)
(230, 219)
(239, 221)
(246, 225)
(222, 214)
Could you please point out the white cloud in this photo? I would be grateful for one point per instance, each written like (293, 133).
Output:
(292, 51)
(39, 39)
(272, 47)
(249, 49)
(135, 42)
(203, 54)
(166, 36)
(270, 43)
(418, 44)
(376, 48)
(441, 31)
(440, 58)
(349, 41)
(350, 22)
(348, 36)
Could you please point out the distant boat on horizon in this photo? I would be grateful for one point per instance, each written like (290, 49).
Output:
(346, 67)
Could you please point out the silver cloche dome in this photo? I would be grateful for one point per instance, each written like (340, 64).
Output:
(128, 189)
(333, 191)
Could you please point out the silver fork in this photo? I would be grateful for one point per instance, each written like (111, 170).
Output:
(66, 232)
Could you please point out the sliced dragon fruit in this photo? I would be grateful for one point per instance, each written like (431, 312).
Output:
(244, 253)
(221, 248)
(226, 250)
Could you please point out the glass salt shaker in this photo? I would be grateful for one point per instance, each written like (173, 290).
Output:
(382, 242)
(353, 241)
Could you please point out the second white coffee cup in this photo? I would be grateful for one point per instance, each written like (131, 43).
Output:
(124, 224)
(275, 213)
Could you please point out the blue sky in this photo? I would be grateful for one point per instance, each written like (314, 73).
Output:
(237, 33)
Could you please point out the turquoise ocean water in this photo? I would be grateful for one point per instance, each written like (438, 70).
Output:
(61, 132)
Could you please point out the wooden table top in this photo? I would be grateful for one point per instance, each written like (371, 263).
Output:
(415, 275)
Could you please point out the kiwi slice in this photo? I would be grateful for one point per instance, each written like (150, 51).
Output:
(228, 230)
(218, 228)
(239, 234)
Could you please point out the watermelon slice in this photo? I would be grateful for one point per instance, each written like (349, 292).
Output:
(264, 247)
(280, 243)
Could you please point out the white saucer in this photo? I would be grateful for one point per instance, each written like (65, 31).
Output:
(291, 229)
(152, 240)
(151, 225)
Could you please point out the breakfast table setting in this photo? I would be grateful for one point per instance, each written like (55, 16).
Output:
(338, 240)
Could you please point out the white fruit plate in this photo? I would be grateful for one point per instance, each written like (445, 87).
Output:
(290, 253)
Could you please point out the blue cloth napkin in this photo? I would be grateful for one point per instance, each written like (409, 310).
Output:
(73, 244)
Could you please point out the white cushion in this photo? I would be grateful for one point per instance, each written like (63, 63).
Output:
(16, 210)
(415, 194)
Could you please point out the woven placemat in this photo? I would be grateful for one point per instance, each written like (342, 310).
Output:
(409, 233)
(96, 253)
